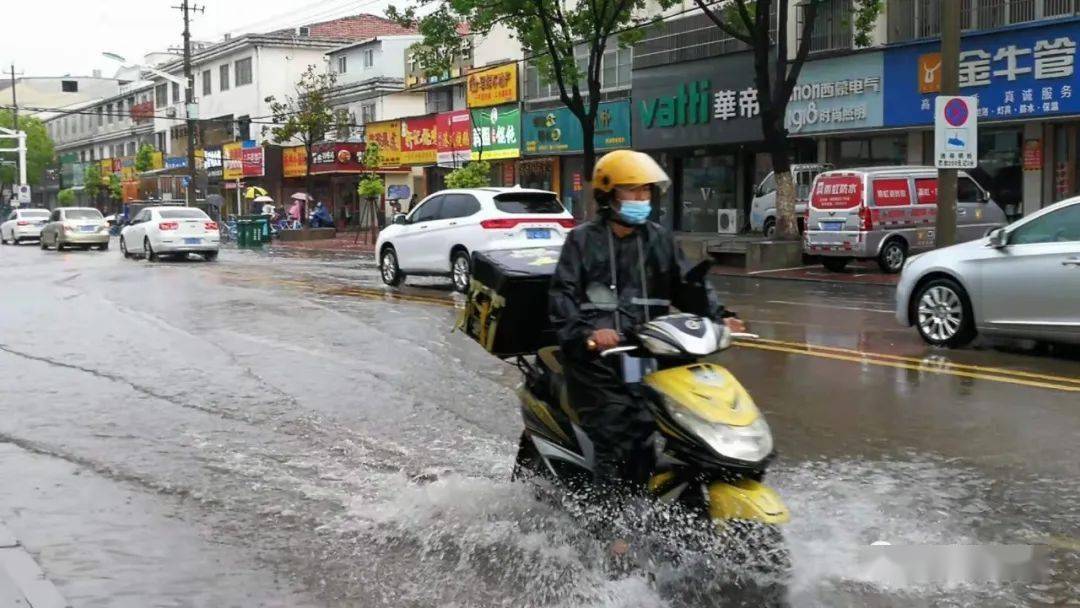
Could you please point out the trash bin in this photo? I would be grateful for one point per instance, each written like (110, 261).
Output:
(260, 230)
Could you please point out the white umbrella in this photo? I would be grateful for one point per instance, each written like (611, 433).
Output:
(263, 199)
(302, 196)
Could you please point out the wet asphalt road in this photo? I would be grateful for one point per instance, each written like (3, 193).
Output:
(265, 431)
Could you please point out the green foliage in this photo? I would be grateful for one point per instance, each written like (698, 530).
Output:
(116, 191)
(92, 180)
(442, 46)
(144, 158)
(306, 115)
(476, 174)
(66, 197)
(39, 149)
(371, 185)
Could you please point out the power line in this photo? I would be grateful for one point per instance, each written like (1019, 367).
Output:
(294, 18)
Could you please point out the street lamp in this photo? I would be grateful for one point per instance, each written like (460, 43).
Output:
(191, 111)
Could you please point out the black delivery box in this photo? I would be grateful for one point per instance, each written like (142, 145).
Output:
(507, 308)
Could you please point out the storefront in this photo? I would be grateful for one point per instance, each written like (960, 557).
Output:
(453, 131)
(496, 138)
(701, 122)
(1029, 97)
(552, 144)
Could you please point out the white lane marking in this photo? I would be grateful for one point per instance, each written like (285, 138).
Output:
(782, 269)
(786, 303)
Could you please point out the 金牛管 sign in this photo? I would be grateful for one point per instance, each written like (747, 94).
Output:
(496, 133)
(492, 87)
(419, 140)
(454, 131)
(558, 131)
(388, 136)
(294, 161)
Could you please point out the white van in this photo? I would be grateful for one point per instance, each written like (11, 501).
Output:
(763, 207)
(887, 214)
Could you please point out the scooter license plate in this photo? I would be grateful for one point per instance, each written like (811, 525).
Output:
(537, 233)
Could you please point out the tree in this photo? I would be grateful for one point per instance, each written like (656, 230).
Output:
(476, 174)
(775, 74)
(66, 197)
(306, 116)
(39, 149)
(144, 158)
(92, 181)
(565, 38)
(116, 191)
(371, 189)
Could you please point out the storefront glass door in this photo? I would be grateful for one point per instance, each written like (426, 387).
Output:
(708, 185)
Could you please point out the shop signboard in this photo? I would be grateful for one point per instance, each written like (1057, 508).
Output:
(337, 157)
(157, 161)
(106, 169)
(419, 140)
(558, 131)
(1015, 74)
(454, 132)
(705, 102)
(492, 87)
(388, 135)
(252, 159)
(212, 162)
(496, 132)
(837, 94)
(1033, 155)
(294, 161)
(232, 160)
(127, 169)
(176, 162)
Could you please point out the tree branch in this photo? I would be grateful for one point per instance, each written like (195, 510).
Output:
(722, 24)
(800, 55)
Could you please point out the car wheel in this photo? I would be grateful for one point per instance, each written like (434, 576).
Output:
(769, 229)
(388, 265)
(57, 244)
(42, 243)
(124, 249)
(3, 241)
(835, 264)
(942, 314)
(461, 267)
(210, 256)
(104, 246)
(892, 256)
(148, 251)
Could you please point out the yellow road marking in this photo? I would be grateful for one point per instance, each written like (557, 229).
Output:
(868, 358)
(992, 374)
(923, 362)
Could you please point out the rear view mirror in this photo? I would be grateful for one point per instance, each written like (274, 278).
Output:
(997, 239)
(399, 218)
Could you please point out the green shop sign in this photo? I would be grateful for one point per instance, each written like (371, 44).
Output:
(558, 131)
(496, 132)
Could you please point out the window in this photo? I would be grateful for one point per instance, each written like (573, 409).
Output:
(342, 64)
(832, 27)
(768, 185)
(183, 214)
(175, 93)
(82, 214)
(223, 78)
(427, 211)
(69, 86)
(100, 116)
(528, 203)
(206, 82)
(369, 58)
(343, 119)
(131, 148)
(120, 111)
(367, 113)
(967, 191)
(243, 71)
(458, 205)
(109, 114)
(55, 216)
(1060, 226)
(161, 95)
(12, 215)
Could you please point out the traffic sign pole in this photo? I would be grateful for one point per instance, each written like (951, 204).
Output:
(945, 226)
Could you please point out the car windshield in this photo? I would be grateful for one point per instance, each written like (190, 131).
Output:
(183, 214)
(35, 214)
(528, 202)
(82, 214)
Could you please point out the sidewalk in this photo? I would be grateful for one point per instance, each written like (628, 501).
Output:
(22, 582)
(342, 242)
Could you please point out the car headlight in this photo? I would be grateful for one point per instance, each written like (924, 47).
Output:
(750, 443)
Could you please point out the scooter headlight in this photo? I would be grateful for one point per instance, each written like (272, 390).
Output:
(750, 443)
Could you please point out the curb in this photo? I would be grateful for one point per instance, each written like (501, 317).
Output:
(774, 277)
(22, 582)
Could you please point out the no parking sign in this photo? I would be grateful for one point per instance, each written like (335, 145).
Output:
(956, 133)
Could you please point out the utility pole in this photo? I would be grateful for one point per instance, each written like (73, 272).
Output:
(15, 121)
(189, 97)
(945, 227)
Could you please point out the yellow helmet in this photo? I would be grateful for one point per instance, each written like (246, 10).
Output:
(628, 168)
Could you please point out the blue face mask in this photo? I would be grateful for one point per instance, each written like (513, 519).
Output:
(634, 212)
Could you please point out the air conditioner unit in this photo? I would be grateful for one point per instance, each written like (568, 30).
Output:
(170, 112)
(727, 221)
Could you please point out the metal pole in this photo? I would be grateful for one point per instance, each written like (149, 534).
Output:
(15, 127)
(189, 100)
(945, 227)
(22, 159)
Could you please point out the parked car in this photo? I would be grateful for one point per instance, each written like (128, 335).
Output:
(1021, 281)
(889, 213)
(763, 208)
(177, 231)
(438, 236)
(22, 225)
(75, 227)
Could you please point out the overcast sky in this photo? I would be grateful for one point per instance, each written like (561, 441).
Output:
(58, 37)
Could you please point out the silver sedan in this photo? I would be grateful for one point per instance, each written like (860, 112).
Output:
(1019, 281)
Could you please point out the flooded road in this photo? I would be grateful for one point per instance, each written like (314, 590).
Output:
(277, 429)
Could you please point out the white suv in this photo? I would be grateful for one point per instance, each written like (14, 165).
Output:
(439, 234)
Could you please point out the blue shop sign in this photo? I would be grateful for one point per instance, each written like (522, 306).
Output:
(1017, 73)
(837, 94)
(558, 131)
(175, 162)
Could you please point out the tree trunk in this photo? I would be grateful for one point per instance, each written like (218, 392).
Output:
(588, 150)
(787, 226)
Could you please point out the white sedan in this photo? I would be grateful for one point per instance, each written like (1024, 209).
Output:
(23, 224)
(175, 231)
